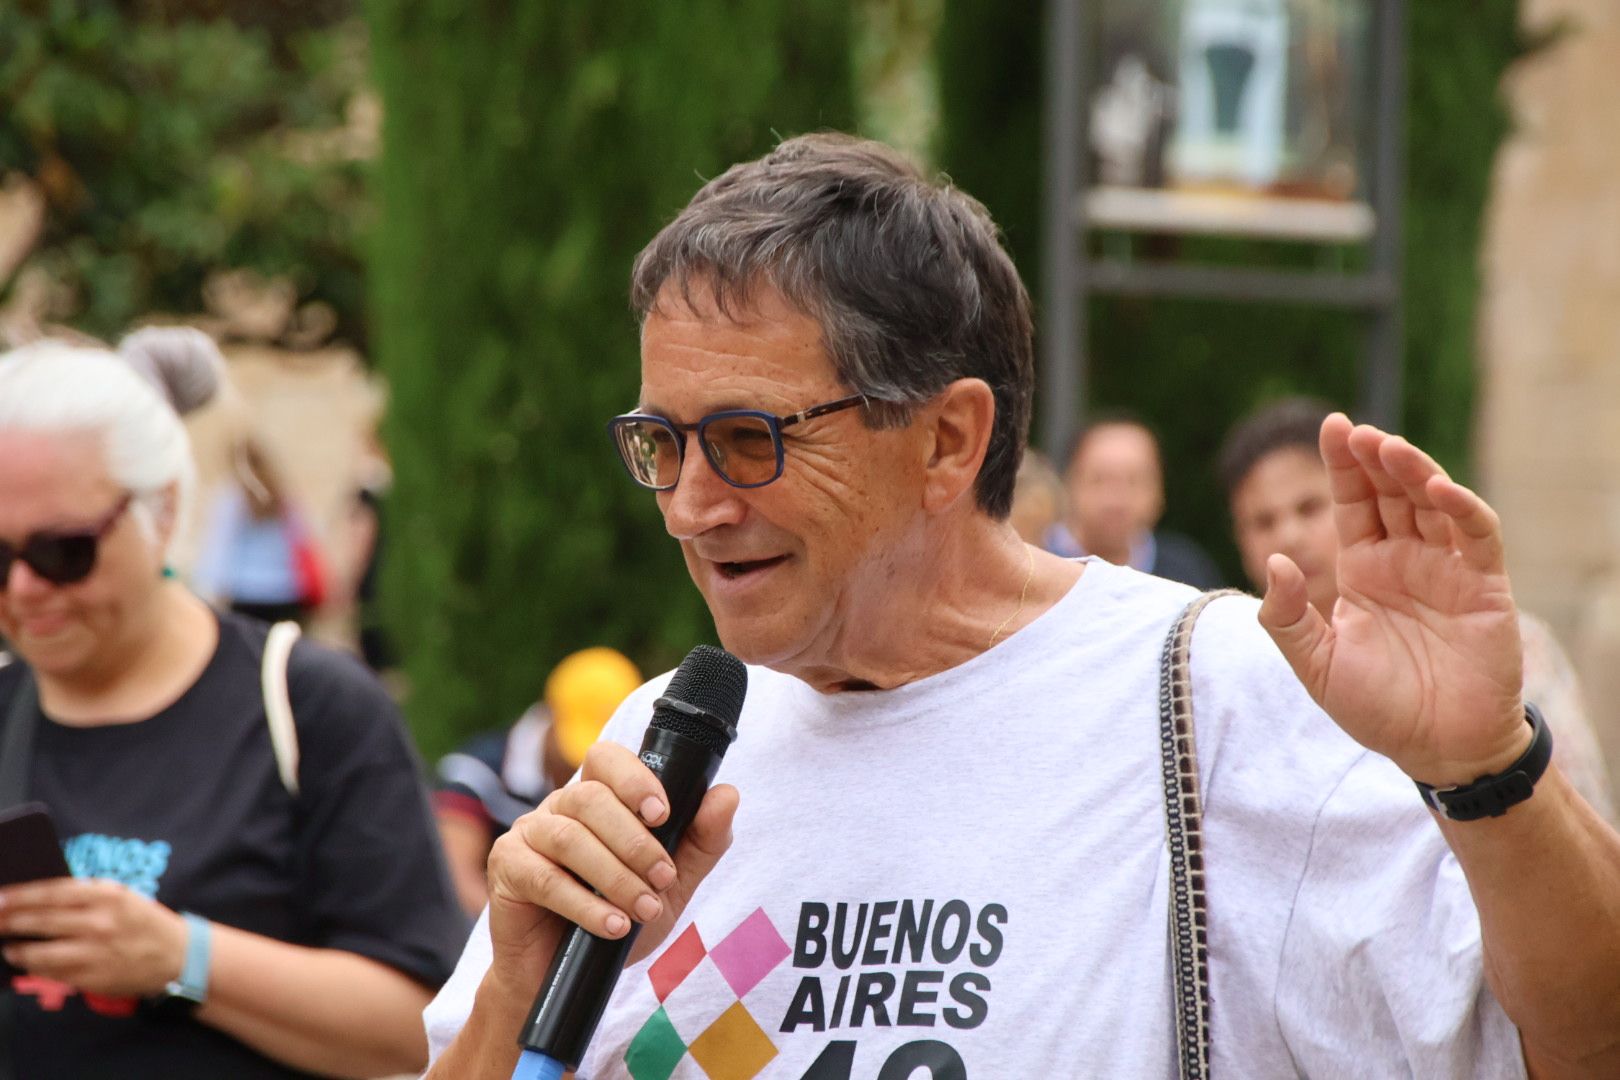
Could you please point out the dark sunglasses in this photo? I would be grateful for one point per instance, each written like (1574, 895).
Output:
(743, 445)
(61, 558)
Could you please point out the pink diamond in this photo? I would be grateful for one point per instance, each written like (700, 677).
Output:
(680, 957)
(750, 952)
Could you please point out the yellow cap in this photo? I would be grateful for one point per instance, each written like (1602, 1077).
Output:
(581, 693)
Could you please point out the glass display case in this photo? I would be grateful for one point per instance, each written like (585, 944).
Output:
(1235, 116)
(1275, 120)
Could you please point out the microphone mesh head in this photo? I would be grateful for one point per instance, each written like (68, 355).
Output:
(713, 681)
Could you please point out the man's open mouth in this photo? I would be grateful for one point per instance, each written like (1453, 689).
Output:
(739, 569)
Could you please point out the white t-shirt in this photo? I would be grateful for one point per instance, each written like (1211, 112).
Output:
(969, 873)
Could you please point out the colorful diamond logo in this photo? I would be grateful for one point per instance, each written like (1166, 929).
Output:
(733, 1047)
(750, 952)
(656, 1049)
(676, 963)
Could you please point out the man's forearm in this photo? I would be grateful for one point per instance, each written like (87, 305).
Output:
(486, 1048)
(1546, 880)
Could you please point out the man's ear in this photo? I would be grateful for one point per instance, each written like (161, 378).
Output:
(963, 415)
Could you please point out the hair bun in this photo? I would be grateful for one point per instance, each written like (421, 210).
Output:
(182, 362)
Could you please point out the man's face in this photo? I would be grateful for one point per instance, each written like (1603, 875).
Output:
(793, 572)
(1285, 505)
(1116, 491)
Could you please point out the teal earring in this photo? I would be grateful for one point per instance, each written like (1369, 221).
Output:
(167, 573)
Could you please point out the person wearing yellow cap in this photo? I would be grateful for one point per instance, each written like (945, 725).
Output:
(495, 777)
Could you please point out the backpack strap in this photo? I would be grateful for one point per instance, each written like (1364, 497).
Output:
(278, 712)
(1184, 832)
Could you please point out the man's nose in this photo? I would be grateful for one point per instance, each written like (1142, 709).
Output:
(700, 499)
(1289, 534)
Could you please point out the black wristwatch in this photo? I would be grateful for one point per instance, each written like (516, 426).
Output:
(1492, 796)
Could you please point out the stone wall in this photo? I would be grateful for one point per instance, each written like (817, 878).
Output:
(313, 412)
(1549, 426)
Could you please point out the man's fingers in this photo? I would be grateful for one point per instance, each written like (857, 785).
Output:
(1414, 469)
(1301, 634)
(622, 771)
(1448, 513)
(1355, 500)
(1395, 510)
(1477, 530)
(600, 811)
(520, 875)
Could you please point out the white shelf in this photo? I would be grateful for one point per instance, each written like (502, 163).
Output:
(1269, 217)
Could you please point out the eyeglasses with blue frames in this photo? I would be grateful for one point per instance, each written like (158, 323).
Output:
(743, 445)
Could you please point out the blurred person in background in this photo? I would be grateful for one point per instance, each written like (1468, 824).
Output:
(1280, 499)
(257, 555)
(365, 544)
(1115, 489)
(1037, 497)
(242, 904)
(498, 777)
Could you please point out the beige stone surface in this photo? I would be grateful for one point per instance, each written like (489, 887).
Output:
(1549, 431)
(313, 412)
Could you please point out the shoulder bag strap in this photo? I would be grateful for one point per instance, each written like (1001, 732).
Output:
(1184, 830)
(17, 741)
(278, 703)
(16, 758)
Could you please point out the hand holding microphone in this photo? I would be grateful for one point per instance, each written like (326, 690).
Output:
(594, 853)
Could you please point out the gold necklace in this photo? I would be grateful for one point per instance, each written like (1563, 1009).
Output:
(1022, 595)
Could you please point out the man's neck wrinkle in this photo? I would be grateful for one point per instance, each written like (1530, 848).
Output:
(958, 591)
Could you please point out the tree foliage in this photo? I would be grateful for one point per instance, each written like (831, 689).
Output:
(166, 143)
(530, 151)
(1193, 368)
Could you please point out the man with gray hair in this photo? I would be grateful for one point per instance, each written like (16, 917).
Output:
(952, 851)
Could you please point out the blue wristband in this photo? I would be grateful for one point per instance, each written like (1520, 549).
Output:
(192, 985)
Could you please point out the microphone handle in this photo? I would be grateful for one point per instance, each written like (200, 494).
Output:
(585, 968)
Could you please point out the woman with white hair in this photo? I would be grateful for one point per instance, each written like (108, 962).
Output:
(245, 902)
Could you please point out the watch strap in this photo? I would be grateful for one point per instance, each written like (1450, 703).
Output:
(192, 985)
(1494, 795)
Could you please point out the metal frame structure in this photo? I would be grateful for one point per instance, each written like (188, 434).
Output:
(1072, 276)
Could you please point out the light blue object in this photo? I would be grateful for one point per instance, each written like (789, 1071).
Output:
(193, 981)
(533, 1065)
(243, 558)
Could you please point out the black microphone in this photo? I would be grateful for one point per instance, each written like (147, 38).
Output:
(692, 726)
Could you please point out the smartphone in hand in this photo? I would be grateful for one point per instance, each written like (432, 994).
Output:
(29, 851)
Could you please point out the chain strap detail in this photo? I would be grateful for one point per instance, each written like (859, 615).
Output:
(1184, 831)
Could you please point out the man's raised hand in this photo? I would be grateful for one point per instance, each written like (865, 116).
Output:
(1422, 660)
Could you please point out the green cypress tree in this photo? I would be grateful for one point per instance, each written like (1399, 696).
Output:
(530, 151)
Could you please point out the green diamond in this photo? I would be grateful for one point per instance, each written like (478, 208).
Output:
(656, 1049)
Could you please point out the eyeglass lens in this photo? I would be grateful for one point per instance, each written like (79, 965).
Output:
(650, 452)
(741, 448)
(59, 559)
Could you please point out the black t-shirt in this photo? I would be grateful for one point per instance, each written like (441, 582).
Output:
(187, 806)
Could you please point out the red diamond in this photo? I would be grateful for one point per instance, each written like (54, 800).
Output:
(677, 962)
